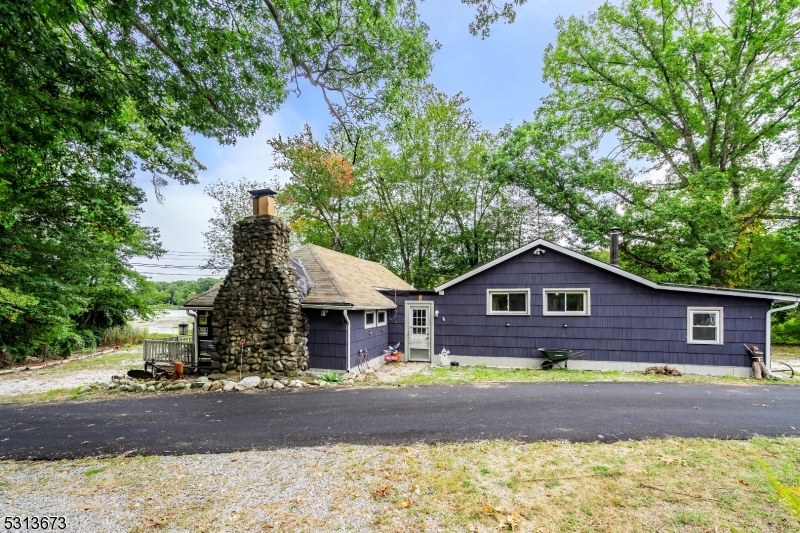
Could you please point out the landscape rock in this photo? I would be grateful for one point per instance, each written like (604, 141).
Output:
(84, 389)
(239, 387)
(296, 383)
(228, 386)
(277, 385)
(250, 382)
(201, 379)
(216, 376)
(207, 385)
(215, 386)
(266, 383)
(198, 384)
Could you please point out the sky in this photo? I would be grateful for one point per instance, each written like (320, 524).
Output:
(501, 76)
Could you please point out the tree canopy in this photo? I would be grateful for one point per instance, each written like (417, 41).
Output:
(419, 199)
(92, 92)
(675, 123)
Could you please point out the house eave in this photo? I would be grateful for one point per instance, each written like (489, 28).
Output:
(346, 307)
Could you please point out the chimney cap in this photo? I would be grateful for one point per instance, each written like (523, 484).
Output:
(258, 193)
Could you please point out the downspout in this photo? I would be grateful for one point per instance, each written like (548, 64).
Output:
(768, 343)
(347, 320)
(192, 313)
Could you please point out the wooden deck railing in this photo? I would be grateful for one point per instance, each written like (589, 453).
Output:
(169, 350)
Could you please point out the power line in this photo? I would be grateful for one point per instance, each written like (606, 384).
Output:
(158, 265)
(168, 274)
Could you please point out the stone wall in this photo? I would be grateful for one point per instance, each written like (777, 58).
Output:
(259, 302)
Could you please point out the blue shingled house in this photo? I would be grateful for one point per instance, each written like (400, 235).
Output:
(539, 296)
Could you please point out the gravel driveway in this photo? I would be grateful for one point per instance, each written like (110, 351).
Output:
(250, 491)
(62, 377)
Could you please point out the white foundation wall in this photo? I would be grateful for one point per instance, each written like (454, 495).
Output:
(585, 364)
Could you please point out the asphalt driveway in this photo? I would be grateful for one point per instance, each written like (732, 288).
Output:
(226, 422)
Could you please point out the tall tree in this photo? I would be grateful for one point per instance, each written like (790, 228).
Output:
(321, 183)
(92, 91)
(704, 109)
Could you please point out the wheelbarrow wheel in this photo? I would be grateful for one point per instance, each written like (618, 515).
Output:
(547, 365)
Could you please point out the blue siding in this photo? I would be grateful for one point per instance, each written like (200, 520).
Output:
(327, 340)
(629, 321)
(375, 340)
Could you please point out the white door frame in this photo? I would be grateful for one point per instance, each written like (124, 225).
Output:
(417, 303)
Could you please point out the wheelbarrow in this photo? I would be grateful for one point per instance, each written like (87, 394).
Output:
(556, 356)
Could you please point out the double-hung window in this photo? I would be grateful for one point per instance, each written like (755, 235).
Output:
(704, 325)
(566, 302)
(508, 302)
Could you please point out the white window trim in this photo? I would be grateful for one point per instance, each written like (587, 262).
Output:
(586, 312)
(720, 324)
(375, 312)
(374, 319)
(489, 293)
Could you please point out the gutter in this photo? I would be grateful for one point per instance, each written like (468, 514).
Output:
(347, 319)
(768, 343)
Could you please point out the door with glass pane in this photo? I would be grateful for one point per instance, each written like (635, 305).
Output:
(419, 330)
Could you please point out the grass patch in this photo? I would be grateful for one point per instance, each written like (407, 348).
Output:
(686, 485)
(479, 373)
(88, 363)
(786, 351)
(53, 395)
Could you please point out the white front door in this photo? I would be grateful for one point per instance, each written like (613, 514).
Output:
(419, 330)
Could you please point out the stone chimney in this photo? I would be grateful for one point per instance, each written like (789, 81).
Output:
(614, 250)
(259, 300)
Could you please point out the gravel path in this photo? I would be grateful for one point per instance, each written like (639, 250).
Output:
(249, 491)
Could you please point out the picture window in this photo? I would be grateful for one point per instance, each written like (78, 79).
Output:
(508, 302)
(566, 302)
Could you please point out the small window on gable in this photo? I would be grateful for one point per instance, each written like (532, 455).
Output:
(566, 302)
(508, 302)
(704, 325)
(369, 319)
(381, 318)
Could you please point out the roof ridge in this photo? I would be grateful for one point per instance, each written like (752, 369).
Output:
(322, 264)
(348, 255)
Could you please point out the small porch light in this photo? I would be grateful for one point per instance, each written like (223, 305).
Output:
(183, 329)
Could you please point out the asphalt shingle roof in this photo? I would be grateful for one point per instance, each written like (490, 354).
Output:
(339, 280)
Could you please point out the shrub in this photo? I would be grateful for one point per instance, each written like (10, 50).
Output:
(788, 332)
(122, 335)
(331, 377)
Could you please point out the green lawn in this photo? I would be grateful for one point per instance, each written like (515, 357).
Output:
(478, 374)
